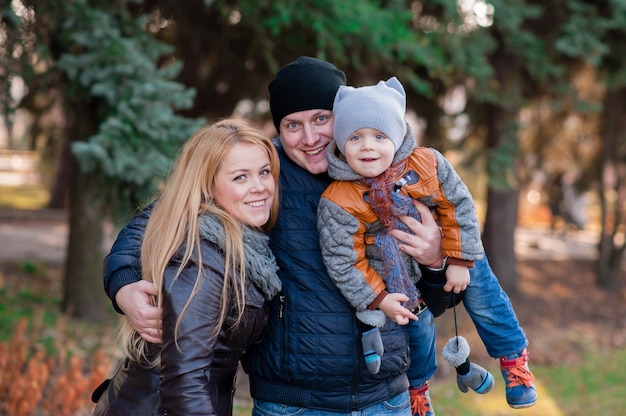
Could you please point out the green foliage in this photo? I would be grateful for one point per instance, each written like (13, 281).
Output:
(588, 43)
(29, 267)
(25, 303)
(11, 61)
(501, 162)
(389, 41)
(597, 382)
(364, 38)
(613, 64)
(112, 58)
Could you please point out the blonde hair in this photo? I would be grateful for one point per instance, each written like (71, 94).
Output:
(173, 223)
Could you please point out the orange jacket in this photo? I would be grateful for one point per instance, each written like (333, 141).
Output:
(348, 224)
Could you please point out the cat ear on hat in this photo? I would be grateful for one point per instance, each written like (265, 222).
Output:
(396, 85)
(341, 92)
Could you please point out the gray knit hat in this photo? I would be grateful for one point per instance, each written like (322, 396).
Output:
(381, 107)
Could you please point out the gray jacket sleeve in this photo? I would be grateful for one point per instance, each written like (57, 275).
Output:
(338, 232)
(459, 196)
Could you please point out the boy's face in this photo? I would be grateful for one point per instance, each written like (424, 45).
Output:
(305, 135)
(369, 152)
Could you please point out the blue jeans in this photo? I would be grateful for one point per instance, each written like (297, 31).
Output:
(491, 311)
(398, 405)
(422, 345)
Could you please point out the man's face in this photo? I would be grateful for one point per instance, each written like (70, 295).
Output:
(305, 135)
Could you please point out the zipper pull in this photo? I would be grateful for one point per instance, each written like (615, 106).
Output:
(399, 184)
(281, 308)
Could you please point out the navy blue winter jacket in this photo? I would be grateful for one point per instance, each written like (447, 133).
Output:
(311, 354)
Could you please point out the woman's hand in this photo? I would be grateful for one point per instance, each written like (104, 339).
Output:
(425, 245)
(134, 300)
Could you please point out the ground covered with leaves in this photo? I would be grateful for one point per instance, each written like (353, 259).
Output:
(49, 364)
(565, 315)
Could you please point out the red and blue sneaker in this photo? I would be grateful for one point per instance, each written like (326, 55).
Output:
(520, 388)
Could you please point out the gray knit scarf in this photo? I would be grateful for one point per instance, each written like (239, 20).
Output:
(261, 265)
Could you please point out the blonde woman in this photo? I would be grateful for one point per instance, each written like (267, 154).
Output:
(206, 254)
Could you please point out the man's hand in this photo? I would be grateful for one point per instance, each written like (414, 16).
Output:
(134, 300)
(392, 306)
(457, 278)
(425, 245)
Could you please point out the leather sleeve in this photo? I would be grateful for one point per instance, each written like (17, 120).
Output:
(186, 362)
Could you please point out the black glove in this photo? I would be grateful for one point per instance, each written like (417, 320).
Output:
(431, 286)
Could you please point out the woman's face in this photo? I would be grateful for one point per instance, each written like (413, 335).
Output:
(244, 185)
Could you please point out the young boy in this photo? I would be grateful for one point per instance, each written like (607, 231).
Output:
(379, 171)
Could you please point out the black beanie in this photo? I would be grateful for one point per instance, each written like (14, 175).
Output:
(304, 84)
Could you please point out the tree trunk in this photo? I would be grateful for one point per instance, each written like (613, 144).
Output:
(60, 186)
(502, 192)
(83, 295)
(499, 236)
(609, 265)
(502, 198)
(8, 123)
(612, 177)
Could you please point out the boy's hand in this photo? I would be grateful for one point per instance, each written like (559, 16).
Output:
(457, 278)
(392, 306)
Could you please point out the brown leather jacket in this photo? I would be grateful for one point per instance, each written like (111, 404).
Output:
(198, 374)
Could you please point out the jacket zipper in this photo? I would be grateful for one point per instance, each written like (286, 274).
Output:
(283, 323)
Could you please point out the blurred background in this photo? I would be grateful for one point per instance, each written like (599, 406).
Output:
(526, 98)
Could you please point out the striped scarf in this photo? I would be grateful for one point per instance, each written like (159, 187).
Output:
(388, 205)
